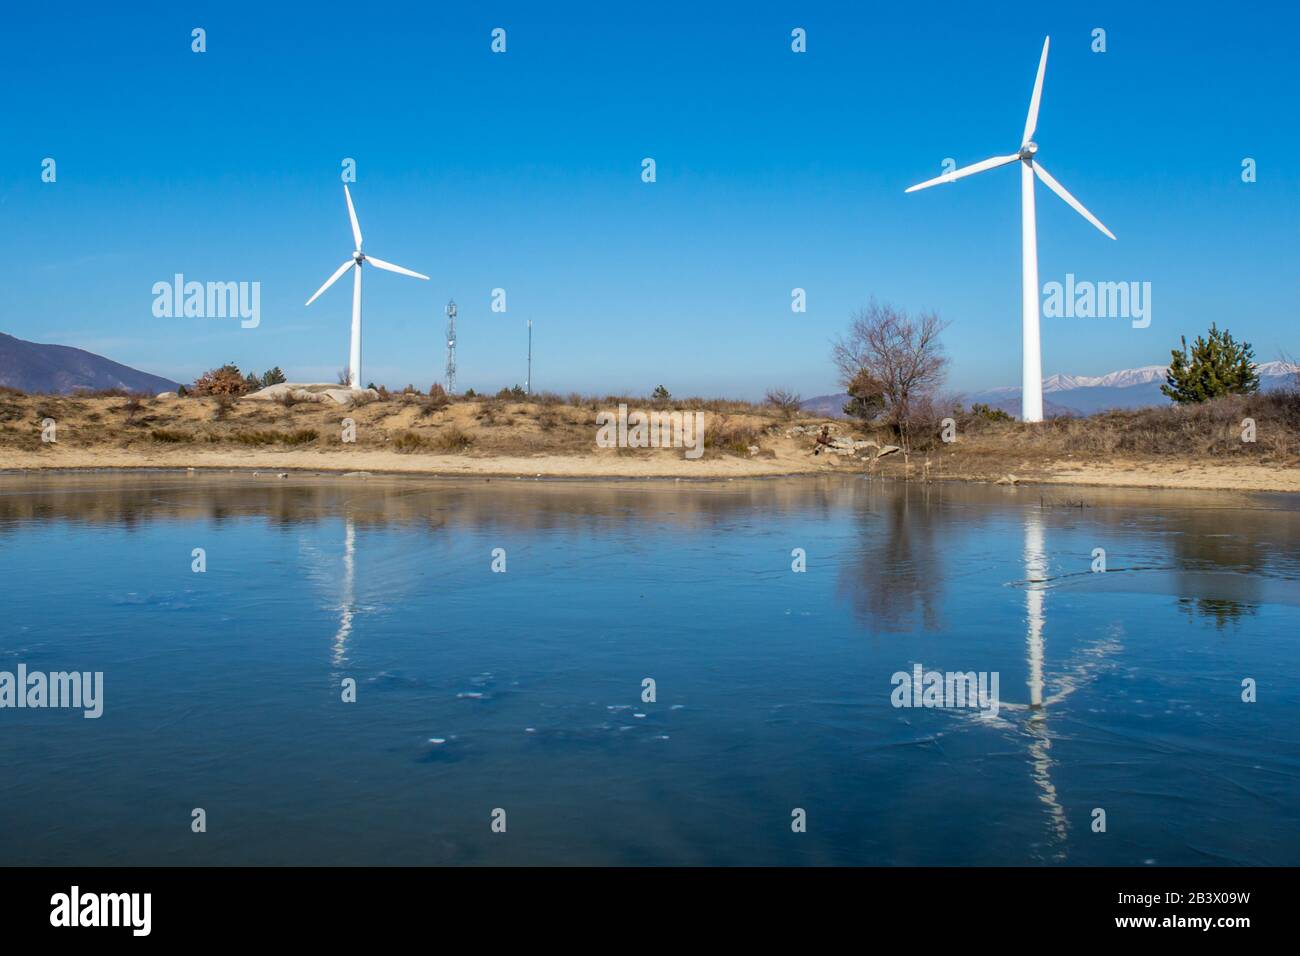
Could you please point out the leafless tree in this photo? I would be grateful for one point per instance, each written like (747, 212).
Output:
(900, 354)
(785, 402)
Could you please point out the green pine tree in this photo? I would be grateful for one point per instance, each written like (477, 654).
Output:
(272, 376)
(866, 397)
(1216, 366)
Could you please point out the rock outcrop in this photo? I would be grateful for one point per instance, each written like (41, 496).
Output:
(308, 392)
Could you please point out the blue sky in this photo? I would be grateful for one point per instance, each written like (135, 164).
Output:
(522, 171)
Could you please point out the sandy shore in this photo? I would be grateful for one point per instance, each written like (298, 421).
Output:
(1119, 474)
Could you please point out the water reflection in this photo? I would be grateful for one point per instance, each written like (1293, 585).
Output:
(347, 605)
(1220, 610)
(898, 573)
(526, 676)
(1040, 742)
(1066, 677)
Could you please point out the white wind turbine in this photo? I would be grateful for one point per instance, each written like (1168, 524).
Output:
(358, 258)
(1031, 398)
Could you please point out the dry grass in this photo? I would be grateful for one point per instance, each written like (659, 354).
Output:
(1212, 430)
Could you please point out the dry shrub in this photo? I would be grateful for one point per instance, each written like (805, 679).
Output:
(488, 412)
(732, 437)
(104, 393)
(786, 403)
(226, 380)
(452, 439)
(222, 407)
(436, 401)
(409, 442)
(302, 436)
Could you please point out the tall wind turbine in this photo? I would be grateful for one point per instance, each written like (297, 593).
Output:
(1031, 396)
(358, 258)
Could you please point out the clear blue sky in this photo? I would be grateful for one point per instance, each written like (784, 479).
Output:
(522, 171)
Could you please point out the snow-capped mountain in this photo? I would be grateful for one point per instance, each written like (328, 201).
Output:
(1084, 394)
(1127, 388)
(1127, 378)
(1123, 379)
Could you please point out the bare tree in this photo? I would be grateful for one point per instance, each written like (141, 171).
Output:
(785, 402)
(901, 355)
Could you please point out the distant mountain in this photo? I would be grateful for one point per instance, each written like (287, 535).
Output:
(826, 406)
(1126, 389)
(1081, 394)
(61, 369)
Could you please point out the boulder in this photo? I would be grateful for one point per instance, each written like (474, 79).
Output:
(1007, 480)
(887, 450)
(810, 429)
(313, 392)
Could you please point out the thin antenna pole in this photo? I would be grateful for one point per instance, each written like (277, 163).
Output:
(451, 347)
(528, 382)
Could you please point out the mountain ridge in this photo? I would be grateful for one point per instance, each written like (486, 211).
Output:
(39, 368)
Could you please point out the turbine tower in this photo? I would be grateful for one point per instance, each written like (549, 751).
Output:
(451, 347)
(358, 258)
(1031, 396)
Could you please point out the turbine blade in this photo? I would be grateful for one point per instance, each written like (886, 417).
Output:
(392, 268)
(330, 281)
(352, 214)
(1031, 121)
(970, 170)
(1061, 191)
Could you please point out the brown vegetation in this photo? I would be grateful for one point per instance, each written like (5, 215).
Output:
(409, 432)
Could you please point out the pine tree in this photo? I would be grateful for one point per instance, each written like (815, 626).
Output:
(272, 376)
(1216, 366)
(866, 397)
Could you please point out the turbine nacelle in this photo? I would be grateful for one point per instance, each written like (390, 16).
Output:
(1027, 151)
(358, 257)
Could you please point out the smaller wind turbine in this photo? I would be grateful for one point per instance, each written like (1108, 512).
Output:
(1031, 395)
(358, 258)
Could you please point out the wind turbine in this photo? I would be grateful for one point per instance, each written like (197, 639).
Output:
(358, 258)
(1031, 396)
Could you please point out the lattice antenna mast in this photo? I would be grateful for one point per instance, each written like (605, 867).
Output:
(451, 347)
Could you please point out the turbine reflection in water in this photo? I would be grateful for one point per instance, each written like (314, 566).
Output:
(1036, 725)
(347, 604)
